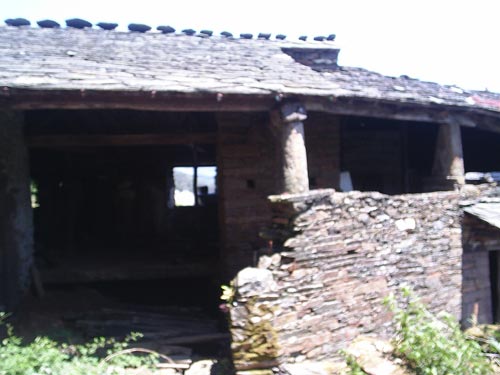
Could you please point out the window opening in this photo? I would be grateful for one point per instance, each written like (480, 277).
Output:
(185, 180)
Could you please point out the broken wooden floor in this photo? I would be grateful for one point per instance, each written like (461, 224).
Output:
(76, 314)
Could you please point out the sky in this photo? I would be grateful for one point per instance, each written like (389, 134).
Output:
(450, 42)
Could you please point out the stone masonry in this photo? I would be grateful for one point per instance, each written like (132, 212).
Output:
(337, 255)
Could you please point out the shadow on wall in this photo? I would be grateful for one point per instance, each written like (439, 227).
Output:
(480, 272)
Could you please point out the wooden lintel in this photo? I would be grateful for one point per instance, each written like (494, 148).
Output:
(24, 99)
(134, 100)
(86, 140)
(374, 108)
(414, 112)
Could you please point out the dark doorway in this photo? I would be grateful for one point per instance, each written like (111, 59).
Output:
(108, 231)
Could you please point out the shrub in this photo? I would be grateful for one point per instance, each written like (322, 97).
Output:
(44, 356)
(353, 366)
(434, 345)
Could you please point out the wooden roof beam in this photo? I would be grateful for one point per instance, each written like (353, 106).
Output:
(107, 140)
(135, 100)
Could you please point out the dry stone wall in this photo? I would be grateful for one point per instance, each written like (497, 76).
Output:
(247, 169)
(480, 241)
(337, 256)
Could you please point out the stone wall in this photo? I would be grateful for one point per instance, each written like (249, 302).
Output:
(16, 221)
(479, 240)
(341, 254)
(247, 169)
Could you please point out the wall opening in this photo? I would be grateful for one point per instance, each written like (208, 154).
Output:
(109, 230)
(480, 150)
(195, 185)
(390, 156)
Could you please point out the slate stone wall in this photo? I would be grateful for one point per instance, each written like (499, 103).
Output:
(247, 168)
(338, 255)
(479, 240)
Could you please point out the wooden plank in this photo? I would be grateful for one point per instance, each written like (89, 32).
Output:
(181, 366)
(396, 110)
(78, 272)
(91, 140)
(196, 339)
(25, 99)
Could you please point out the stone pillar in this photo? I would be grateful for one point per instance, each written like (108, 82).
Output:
(293, 157)
(16, 216)
(448, 168)
(252, 307)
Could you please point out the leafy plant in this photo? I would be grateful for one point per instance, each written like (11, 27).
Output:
(434, 345)
(35, 203)
(227, 293)
(352, 365)
(227, 297)
(44, 356)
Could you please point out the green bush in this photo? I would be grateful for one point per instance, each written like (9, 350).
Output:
(44, 356)
(434, 345)
(353, 366)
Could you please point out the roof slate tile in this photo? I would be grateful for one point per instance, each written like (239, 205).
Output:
(38, 59)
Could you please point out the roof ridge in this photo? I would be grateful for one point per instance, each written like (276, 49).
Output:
(78, 23)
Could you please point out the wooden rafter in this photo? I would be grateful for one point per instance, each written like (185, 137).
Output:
(86, 140)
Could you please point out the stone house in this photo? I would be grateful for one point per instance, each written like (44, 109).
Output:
(96, 122)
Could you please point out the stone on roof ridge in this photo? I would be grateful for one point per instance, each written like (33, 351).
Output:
(79, 23)
(139, 27)
(189, 32)
(107, 25)
(48, 24)
(17, 22)
(165, 29)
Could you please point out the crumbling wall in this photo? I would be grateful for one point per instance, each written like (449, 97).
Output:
(16, 221)
(342, 254)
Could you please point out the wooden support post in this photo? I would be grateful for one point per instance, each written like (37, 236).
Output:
(16, 217)
(448, 168)
(293, 166)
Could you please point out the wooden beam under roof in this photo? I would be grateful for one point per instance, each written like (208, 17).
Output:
(19, 99)
(24, 99)
(106, 140)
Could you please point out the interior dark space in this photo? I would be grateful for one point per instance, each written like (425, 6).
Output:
(108, 229)
(389, 156)
(480, 150)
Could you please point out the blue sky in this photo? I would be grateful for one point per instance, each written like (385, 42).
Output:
(451, 42)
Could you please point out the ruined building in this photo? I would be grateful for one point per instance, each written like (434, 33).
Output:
(338, 183)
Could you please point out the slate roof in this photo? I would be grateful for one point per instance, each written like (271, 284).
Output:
(92, 59)
(486, 211)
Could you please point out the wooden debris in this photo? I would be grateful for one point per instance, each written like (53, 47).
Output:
(167, 330)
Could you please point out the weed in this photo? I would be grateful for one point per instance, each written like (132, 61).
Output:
(434, 345)
(44, 356)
